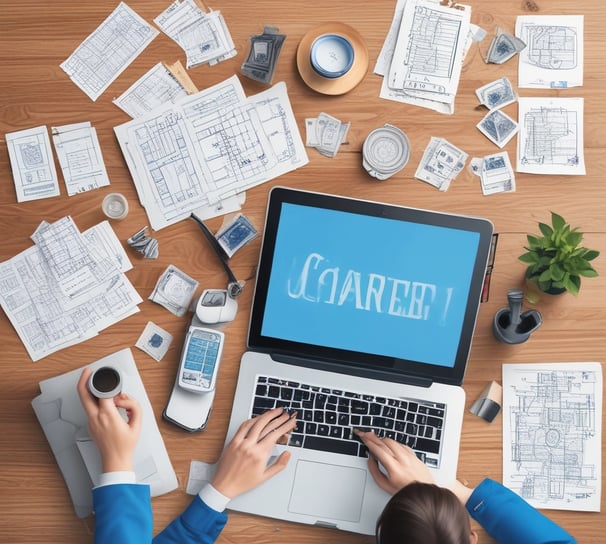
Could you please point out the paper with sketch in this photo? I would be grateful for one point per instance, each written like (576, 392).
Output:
(441, 163)
(159, 85)
(32, 164)
(208, 148)
(553, 56)
(423, 54)
(203, 36)
(108, 50)
(80, 157)
(550, 139)
(64, 423)
(552, 429)
(67, 287)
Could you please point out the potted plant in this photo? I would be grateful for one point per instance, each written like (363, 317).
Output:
(556, 262)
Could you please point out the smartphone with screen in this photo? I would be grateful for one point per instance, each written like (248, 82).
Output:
(200, 359)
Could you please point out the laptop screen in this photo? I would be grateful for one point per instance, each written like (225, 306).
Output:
(369, 285)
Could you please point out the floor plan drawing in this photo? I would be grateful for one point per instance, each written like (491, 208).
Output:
(210, 147)
(553, 56)
(552, 434)
(551, 136)
(109, 50)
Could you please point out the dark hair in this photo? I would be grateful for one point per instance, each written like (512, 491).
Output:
(423, 513)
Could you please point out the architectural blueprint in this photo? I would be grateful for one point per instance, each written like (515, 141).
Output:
(552, 427)
(208, 148)
(67, 287)
(160, 85)
(79, 154)
(32, 164)
(108, 51)
(427, 45)
(550, 139)
(203, 36)
(553, 57)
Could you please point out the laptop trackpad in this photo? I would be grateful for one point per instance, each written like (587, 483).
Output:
(328, 491)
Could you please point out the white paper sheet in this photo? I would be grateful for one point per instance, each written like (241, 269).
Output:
(552, 428)
(108, 50)
(553, 56)
(550, 138)
(32, 164)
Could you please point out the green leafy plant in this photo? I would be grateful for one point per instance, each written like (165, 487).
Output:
(555, 260)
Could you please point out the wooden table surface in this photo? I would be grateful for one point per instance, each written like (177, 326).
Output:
(36, 36)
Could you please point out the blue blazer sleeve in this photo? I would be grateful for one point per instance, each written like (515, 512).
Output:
(198, 524)
(509, 519)
(123, 514)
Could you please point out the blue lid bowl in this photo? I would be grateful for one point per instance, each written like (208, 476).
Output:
(331, 55)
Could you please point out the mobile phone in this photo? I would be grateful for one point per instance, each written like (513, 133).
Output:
(200, 359)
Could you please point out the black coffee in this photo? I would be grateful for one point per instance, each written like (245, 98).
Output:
(106, 379)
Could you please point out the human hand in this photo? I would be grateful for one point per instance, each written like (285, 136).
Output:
(400, 463)
(243, 464)
(115, 437)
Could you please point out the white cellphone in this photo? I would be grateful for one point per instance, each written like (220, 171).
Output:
(200, 359)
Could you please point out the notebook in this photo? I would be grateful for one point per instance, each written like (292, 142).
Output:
(363, 316)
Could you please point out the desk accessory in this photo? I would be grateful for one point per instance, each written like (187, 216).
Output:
(332, 58)
(191, 399)
(385, 152)
(556, 262)
(511, 325)
(115, 206)
(105, 382)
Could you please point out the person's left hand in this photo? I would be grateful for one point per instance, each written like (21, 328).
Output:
(243, 464)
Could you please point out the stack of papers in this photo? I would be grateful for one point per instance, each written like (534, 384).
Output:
(423, 53)
(203, 36)
(200, 154)
(67, 287)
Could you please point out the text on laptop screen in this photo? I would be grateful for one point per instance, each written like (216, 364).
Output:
(369, 284)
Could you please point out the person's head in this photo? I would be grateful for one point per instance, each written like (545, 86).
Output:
(422, 513)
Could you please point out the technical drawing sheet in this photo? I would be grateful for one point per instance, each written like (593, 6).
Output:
(208, 148)
(550, 138)
(159, 85)
(79, 154)
(108, 51)
(67, 287)
(32, 164)
(553, 56)
(428, 55)
(552, 428)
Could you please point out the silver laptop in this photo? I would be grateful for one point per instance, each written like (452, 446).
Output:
(363, 316)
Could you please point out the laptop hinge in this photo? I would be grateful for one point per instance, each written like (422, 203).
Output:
(332, 366)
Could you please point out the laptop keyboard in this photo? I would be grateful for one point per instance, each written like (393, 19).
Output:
(327, 417)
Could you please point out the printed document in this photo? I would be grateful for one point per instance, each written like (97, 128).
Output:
(209, 148)
(552, 429)
(108, 51)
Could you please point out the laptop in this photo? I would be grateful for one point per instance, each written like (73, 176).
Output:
(363, 316)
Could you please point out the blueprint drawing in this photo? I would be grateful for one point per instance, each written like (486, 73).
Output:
(108, 51)
(552, 434)
(209, 147)
(553, 56)
(551, 136)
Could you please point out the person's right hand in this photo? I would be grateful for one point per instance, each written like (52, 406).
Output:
(401, 464)
(243, 464)
(115, 437)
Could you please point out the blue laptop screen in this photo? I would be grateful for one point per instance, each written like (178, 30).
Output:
(369, 284)
(388, 286)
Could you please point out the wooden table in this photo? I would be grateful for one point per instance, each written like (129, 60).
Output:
(35, 37)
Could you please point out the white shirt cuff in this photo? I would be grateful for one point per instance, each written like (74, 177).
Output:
(212, 498)
(117, 477)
